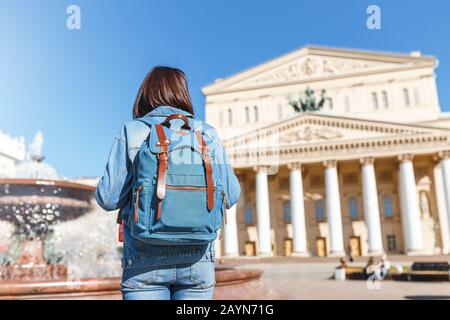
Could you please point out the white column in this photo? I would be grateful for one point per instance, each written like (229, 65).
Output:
(445, 167)
(371, 209)
(263, 213)
(333, 209)
(444, 225)
(409, 205)
(230, 234)
(297, 211)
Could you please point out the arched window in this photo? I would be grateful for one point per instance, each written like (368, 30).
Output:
(385, 99)
(406, 100)
(287, 211)
(353, 208)
(255, 108)
(375, 100)
(248, 216)
(387, 206)
(230, 116)
(247, 115)
(320, 213)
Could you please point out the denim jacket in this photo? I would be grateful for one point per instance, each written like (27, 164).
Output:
(114, 188)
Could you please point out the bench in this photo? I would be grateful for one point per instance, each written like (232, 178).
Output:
(419, 271)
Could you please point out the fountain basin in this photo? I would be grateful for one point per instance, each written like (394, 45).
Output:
(34, 201)
(231, 283)
(33, 205)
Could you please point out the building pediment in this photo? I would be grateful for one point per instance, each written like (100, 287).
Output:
(310, 67)
(313, 137)
(313, 63)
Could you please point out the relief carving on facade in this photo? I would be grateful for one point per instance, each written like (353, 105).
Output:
(308, 67)
(310, 133)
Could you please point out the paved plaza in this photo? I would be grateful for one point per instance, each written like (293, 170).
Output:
(295, 278)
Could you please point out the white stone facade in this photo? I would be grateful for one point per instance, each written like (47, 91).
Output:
(368, 173)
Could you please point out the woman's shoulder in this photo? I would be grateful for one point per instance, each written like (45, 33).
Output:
(134, 124)
(135, 131)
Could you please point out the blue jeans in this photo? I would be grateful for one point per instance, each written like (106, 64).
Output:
(174, 282)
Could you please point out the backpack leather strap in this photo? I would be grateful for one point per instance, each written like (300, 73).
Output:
(120, 223)
(185, 126)
(208, 170)
(163, 162)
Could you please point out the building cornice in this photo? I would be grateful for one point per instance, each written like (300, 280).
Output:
(335, 122)
(346, 150)
(263, 146)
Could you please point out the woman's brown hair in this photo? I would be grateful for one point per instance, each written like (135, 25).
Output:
(163, 86)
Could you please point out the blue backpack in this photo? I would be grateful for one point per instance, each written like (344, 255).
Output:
(174, 198)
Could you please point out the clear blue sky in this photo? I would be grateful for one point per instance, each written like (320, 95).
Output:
(77, 86)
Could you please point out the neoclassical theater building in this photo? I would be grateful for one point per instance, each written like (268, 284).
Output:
(368, 173)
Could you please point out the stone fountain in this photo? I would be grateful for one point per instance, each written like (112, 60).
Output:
(36, 201)
(33, 205)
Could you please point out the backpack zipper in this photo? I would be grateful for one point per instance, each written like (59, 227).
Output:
(194, 188)
(136, 204)
(224, 217)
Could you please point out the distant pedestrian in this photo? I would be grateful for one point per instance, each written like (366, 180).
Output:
(370, 267)
(382, 272)
(343, 263)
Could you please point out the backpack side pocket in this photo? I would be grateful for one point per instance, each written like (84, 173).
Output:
(140, 213)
